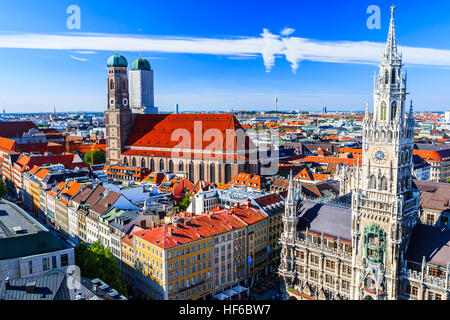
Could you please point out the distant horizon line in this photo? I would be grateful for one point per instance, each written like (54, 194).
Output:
(197, 111)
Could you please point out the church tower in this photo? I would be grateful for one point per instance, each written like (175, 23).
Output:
(118, 116)
(385, 202)
(142, 98)
(290, 220)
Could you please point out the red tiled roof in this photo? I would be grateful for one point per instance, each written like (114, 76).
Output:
(327, 160)
(191, 229)
(245, 179)
(15, 129)
(100, 199)
(155, 130)
(249, 215)
(72, 188)
(7, 145)
(433, 155)
(67, 160)
(56, 190)
(41, 148)
(41, 173)
(34, 169)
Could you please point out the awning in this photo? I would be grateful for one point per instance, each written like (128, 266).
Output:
(230, 292)
(239, 289)
(221, 296)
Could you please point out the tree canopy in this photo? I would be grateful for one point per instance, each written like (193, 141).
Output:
(184, 204)
(99, 157)
(95, 261)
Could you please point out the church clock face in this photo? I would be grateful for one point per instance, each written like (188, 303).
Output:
(112, 101)
(125, 102)
(379, 155)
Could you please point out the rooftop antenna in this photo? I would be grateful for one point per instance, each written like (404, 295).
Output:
(276, 103)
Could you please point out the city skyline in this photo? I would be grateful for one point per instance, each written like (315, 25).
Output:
(205, 62)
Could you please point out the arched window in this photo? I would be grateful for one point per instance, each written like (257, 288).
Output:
(384, 184)
(152, 165)
(125, 161)
(383, 134)
(370, 283)
(161, 164)
(386, 77)
(191, 171)
(227, 172)
(143, 162)
(372, 182)
(383, 111)
(393, 77)
(201, 169)
(171, 166)
(393, 110)
(133, 162)
(212, 173)
(181, 166)
(111, 84)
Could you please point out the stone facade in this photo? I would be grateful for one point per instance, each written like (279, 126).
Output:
(377, 249)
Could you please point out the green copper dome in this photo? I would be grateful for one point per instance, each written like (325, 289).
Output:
(141, 64)
(117, 60)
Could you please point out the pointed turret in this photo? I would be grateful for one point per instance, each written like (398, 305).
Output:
(290, 194)
(391, 52)
(411, 111)
(366, 116)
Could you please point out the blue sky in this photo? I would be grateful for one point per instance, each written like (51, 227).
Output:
(224, 69)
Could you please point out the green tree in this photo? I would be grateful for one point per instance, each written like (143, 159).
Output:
(184, 204)
(3, 189)
(95, 261)
(99, 157)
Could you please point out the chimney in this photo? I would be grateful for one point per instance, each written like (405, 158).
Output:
(30, 287)
(169, 230)
(7, 285)
(152, 224)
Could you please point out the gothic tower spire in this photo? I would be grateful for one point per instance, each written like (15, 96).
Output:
(385, 204)
(391, 52)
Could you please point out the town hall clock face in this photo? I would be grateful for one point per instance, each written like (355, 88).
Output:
(379, 155)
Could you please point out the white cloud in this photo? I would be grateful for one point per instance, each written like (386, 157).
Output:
(269, 46)
(79, 59)
(85, 52)
(287, 31)
(155, 58)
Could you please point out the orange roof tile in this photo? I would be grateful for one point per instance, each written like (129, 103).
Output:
(327, 160)
(42, 173)
(7, 145)
(155, 130)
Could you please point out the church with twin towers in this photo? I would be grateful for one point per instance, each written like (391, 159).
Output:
(204, 147)
(375, 248)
